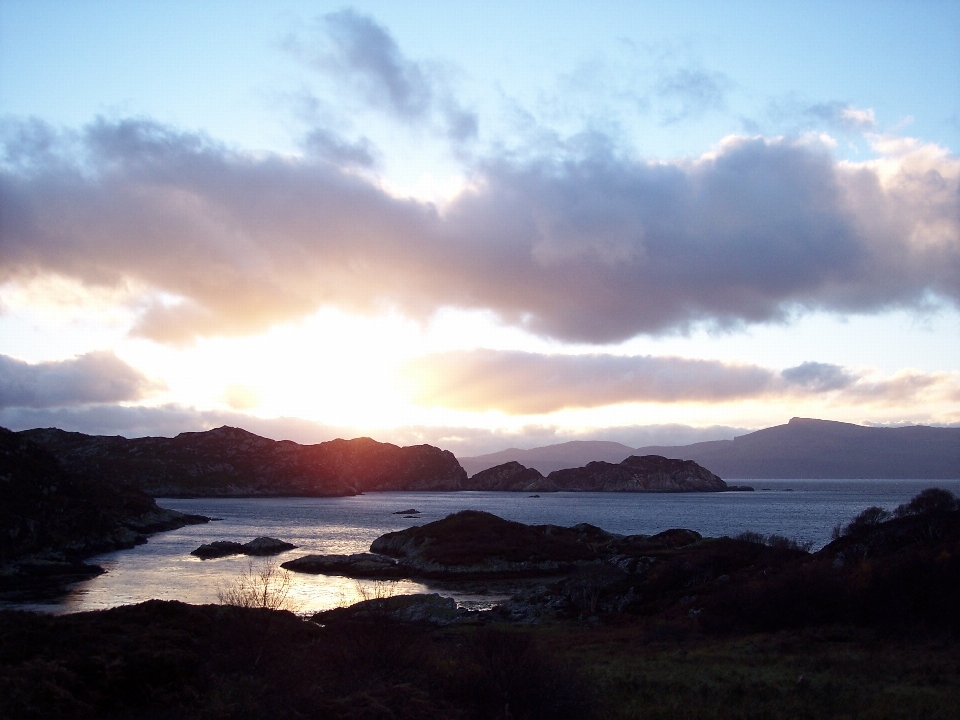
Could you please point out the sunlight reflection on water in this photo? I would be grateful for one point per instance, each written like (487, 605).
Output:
(164, 569)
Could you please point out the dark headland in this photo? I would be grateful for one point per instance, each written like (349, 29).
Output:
(52, 519)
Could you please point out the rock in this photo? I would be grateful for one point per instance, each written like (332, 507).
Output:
(260, 546)
(218, 549)
(358, 565)
(478, 544)
(267, 546)
(411, 511)
(647, 473)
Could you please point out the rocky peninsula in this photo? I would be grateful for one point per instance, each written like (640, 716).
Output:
(53, 519)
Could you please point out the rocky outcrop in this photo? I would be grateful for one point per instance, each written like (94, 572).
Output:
(50, 520)
(472, 544)
(510, 476)
(647, 473)
(260, 546)
(358, 565)
(229, 462)
(428, 609)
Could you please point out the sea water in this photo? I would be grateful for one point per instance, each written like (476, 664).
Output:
(163, 568)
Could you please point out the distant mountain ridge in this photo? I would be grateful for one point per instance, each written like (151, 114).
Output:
(805, 448)
(801, 449)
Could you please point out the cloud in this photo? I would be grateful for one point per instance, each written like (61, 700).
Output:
(523, 383)
(170, 420)
(364, 57)
(818, 377)
(583, 245)
(529, 383)
(842, 115)
(369, 55)
(326, 145)
(96, 377)
(693, 92)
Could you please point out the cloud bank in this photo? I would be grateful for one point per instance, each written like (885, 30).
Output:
(522, 383)
(582, 245)
(170, 420)
(96, 377)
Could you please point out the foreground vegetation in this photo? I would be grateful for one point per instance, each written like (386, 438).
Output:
(731, 628)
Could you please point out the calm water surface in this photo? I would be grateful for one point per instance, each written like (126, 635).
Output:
(806, 510)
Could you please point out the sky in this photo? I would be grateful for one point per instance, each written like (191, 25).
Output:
(478, 225)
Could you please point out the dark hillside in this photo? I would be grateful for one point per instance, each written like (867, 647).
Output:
(230, 462)
(51, 519)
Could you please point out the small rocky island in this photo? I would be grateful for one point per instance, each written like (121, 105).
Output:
(260, 546)
(646, 473)
(472, 544)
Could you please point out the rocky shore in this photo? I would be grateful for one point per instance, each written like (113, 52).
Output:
(52, 519)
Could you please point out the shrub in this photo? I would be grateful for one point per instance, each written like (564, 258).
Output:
(868, 518)
(267, 586)
(932, 501)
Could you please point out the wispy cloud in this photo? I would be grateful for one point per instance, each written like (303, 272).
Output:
(529, 383)
(691, 92)
(366, 60)
(588, 245)
(96, 377)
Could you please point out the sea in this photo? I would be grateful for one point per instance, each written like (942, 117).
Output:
(163, 568)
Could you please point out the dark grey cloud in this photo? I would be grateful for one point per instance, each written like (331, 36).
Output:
(96, 377)
(170, 420)
(582, 245)
(523, 383)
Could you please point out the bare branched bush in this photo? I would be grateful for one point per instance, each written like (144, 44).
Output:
(265, 586)
(775, 541)
(381, 590)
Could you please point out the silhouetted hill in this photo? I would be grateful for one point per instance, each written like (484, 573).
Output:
(50, 519)
(230, 462)
(805, 448)
(575, 453)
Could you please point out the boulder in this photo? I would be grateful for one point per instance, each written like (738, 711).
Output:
(267, 546)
